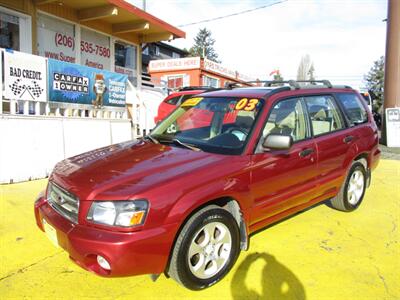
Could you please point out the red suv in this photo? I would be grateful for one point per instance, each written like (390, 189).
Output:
(184, 202)
(173, 100)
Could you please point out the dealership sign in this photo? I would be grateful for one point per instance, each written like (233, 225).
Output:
(72, 83)
(25, 76)
(174, 64)
(219, 69)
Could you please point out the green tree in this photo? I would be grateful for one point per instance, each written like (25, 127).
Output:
(375, 80)
(204, 46)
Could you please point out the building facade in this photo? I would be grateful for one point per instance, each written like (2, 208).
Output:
(194, 71)
(159, 50)
(104, 34)
(70, 75)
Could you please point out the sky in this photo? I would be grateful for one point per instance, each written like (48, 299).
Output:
(342, 37)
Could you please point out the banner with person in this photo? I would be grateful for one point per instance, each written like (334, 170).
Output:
(25, 76)
(72, 83)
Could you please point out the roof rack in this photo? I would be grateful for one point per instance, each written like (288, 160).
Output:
(292, 83)
(192, 88)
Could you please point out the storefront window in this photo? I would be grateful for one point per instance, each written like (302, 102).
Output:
(210, 81)
(9, 31)
(95, 49)
(125, 60)
(175, 81)
(56, 39)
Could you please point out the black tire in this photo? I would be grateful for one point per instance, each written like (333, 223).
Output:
(341, 201)
(179, 268)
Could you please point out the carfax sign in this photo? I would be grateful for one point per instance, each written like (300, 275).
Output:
(72, 83)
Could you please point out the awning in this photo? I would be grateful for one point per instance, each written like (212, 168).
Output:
(115, 17)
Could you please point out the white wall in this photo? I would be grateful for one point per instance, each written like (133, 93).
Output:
(150, 99)
(30, 146)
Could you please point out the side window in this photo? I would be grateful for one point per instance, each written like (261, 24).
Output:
(353, 108)
(173, 100)
(324, 114)
(287, 117)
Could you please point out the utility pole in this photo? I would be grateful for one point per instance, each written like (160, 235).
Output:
(144, 5)
(392, 71)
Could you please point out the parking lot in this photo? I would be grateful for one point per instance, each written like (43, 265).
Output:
(318, 254)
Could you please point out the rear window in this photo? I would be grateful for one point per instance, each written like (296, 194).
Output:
(353, 108)
(173, 100)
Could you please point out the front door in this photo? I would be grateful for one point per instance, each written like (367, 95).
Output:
(282, 179)
(332, 139)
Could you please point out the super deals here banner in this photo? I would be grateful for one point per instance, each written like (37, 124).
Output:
(25, 76)
(72, 83)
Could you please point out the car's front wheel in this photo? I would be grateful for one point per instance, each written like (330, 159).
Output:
(206, 248)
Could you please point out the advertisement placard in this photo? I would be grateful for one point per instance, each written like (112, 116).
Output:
(72, 83)
(25, 76)
(95, 49)
(186, 63)
(56, 39)
(393, 127)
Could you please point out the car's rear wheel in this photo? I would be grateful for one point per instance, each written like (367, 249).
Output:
(352, 191)
(206, 248)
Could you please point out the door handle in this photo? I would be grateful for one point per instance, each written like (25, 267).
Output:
(348, 139)
(306, 152)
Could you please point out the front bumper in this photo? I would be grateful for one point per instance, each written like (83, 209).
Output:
(129, 253)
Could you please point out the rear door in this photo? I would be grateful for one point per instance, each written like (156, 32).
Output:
(282, 179)
(333, 141)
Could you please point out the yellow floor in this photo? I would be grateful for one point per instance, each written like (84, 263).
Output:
(319, 254)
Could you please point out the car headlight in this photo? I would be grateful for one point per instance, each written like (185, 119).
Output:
(118, 213)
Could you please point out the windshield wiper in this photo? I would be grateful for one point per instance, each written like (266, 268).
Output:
(176, 141)
(153, 139)
(186, 145)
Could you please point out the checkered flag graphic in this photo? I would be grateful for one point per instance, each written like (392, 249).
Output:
(36, 90)
(17, 88)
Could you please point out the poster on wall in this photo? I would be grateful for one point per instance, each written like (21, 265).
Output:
(56, 39)
(25, 76)
(72, 83)
(95, 49)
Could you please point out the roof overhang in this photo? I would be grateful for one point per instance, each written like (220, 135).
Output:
(115, 17)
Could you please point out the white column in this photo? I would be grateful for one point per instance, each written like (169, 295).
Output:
(47, 109)
(13, 104)
(37, 108)
(26, 107)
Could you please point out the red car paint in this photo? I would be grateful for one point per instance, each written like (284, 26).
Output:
(176, 181)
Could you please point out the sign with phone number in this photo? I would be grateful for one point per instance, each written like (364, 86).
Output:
(95, 49)
(63, 40)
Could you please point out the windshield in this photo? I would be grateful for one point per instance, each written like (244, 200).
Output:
(218, 125)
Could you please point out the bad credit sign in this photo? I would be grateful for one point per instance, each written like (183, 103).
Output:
(25, 76)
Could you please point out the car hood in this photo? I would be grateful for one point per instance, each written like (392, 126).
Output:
(130, 166)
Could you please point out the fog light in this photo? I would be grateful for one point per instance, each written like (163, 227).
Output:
(103, 262)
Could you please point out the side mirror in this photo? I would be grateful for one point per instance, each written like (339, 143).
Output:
(277, 142)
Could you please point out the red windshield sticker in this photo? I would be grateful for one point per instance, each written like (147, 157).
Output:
(246, 104)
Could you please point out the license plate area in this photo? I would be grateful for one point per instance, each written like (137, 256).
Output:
(51, 232)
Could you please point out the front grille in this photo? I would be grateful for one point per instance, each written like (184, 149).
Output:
(63, 202)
